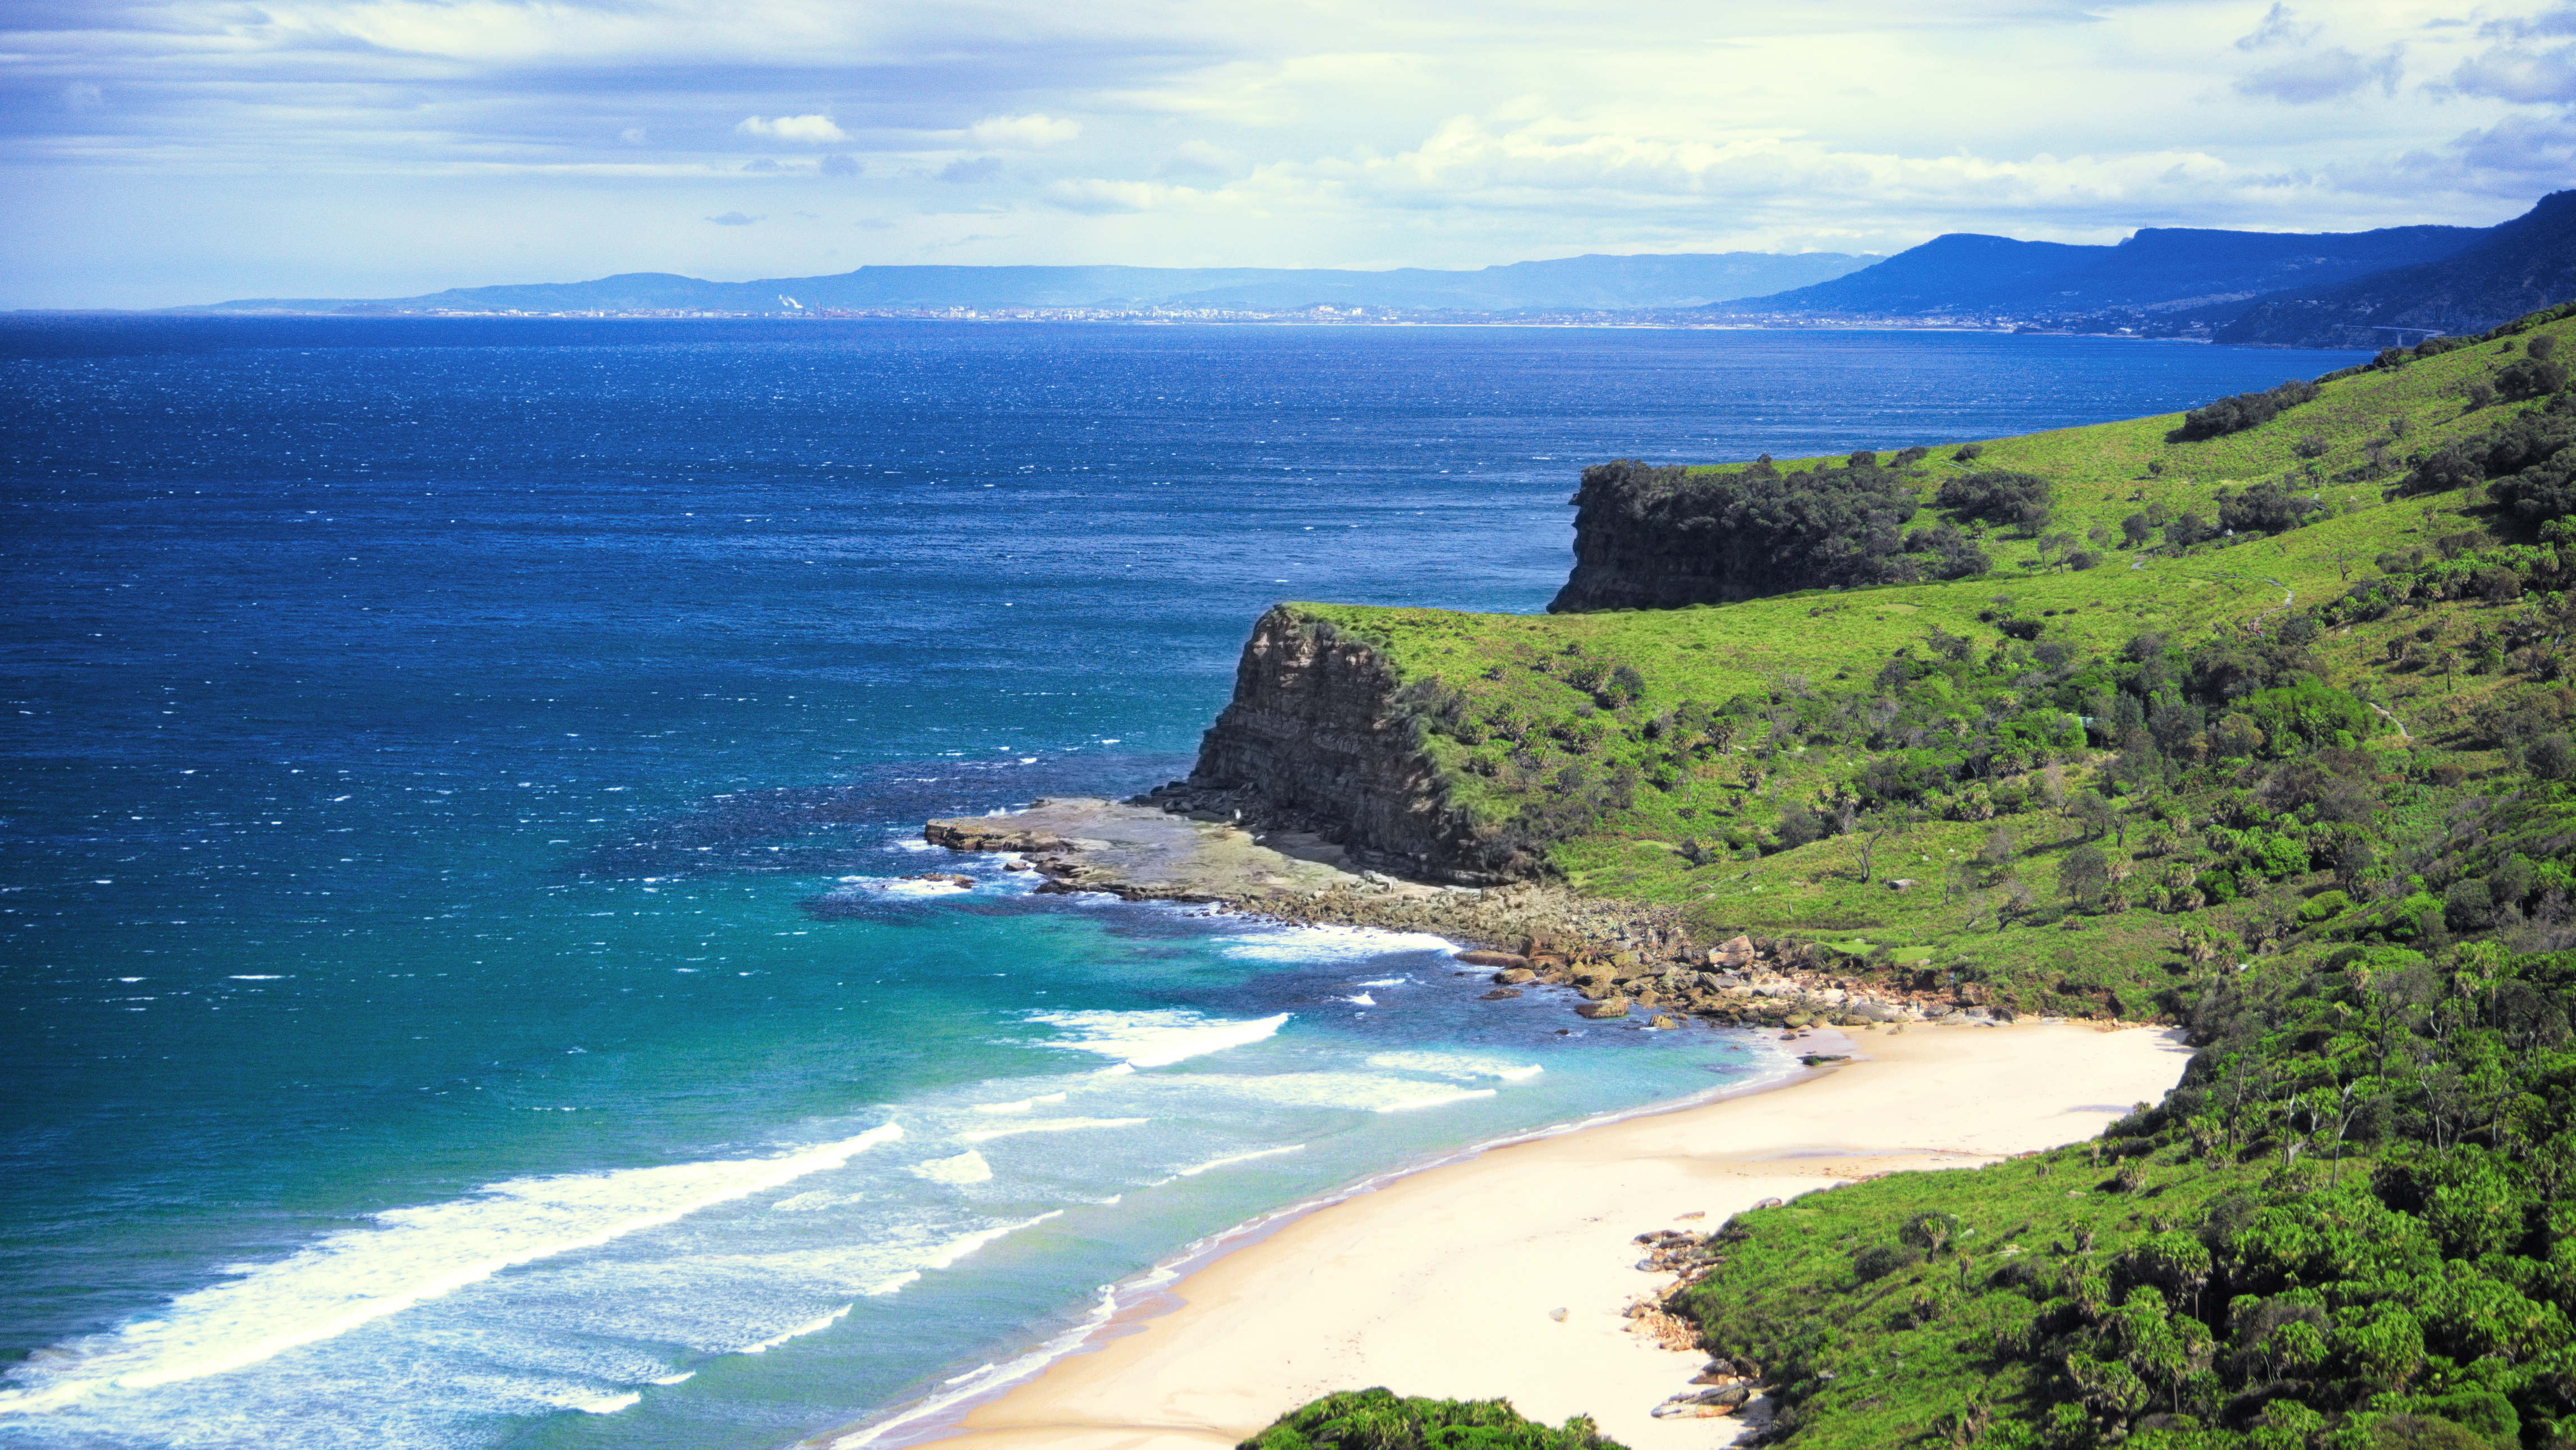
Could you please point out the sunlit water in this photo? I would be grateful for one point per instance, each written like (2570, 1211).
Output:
(433, 742)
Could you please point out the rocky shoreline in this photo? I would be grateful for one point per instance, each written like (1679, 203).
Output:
(1621, 959)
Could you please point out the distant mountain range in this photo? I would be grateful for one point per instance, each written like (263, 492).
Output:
(2159, 267)
(2278, 289)
(2505, 271)
(1571, 283)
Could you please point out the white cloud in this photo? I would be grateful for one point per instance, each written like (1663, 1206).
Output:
(2280, 27)
(1098, 197)
(2513, 73)
(1023, 132)
(1421, 132)
(814, 130)
(733, 219)
(2325, 76)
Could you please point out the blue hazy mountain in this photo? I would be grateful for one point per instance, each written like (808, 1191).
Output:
(1587, 282)
(2158, 268)
(2521, 266)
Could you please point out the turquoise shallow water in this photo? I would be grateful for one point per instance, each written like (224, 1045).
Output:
(431, 743)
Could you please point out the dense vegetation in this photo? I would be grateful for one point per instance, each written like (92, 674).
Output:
(1378, 1420)
(2345, 1228)
(2308, 787)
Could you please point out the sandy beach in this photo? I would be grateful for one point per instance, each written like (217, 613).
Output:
(1448, 1282)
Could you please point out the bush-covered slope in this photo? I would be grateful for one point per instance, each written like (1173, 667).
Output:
(2309, 789)
(2095, 780)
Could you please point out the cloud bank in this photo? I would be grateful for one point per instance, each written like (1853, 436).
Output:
(185, 150)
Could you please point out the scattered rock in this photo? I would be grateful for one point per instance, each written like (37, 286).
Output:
(1606, 1007)
(1556, 1314)
(1663, 1022)
(1901, 883)
(1498, 994)
(1514, 976)
(1819, 1059)
(1493, 959)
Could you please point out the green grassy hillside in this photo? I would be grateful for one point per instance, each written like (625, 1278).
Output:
(1772, 765)
(2310, 790)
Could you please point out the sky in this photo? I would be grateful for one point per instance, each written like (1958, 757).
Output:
(186, 151)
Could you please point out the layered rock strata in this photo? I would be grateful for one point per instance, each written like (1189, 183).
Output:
(1314, 741)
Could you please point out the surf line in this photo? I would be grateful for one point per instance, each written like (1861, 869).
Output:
(201, 1333)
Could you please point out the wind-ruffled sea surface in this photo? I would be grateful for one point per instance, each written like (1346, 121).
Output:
(432, 741)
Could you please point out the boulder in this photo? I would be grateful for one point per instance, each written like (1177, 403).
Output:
(1514, 976)
(1498, 994)
(1733, 955)
(1900, 883)
(1607, 1007)
(1493, 959)
(1666, 1023)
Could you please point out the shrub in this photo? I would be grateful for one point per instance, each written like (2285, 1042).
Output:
(1999, 497)
(1879, 1261)
(1376, 1419)
(2266, 508)
(2306, 715)
(2243, 411)
(2530, 378)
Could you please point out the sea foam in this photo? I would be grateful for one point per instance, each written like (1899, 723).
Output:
(1155, 1038)
(352, 1278)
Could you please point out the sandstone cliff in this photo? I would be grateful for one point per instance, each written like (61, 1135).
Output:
(1316, 738)
(1661, 538)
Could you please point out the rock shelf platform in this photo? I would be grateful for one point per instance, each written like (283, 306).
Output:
(1619, 961)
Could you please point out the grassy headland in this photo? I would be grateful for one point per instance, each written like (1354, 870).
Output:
(2308, 788)
(2241, 743)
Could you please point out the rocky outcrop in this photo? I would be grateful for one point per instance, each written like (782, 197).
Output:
(1315, 740)
(1662, 538)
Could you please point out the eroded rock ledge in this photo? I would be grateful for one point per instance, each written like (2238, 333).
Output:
(1314, 742)
(1618, 960)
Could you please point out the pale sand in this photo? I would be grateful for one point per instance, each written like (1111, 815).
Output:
(1442, 1283)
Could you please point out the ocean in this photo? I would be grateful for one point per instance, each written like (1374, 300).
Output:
(463, 987)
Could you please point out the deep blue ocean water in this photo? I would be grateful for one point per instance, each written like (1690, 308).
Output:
(430, 740)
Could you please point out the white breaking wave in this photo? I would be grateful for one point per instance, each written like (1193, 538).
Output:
(967, 1386)
(358, 1276)
(958, 1248)
(1362, 1000)
(1021, 1106)
(801, 1330)
(1312, 943)
(1386, 982)
(1155, 1038)
(1046, 1125)
(1239, 1158)
(966, 1167)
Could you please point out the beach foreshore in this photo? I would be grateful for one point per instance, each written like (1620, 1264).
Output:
(1509, 1274)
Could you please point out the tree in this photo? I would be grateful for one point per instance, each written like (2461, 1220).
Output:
(2084, 875)
(2092, 810)
(2135, 530)
(1997, 852)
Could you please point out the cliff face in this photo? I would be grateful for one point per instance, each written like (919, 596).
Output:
(1661, 538)
(1314, 732)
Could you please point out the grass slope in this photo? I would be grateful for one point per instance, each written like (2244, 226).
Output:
(1778, 696)
(2353, 1225)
